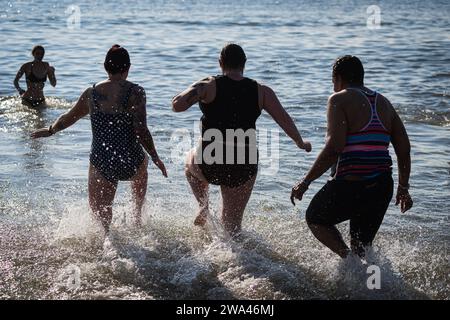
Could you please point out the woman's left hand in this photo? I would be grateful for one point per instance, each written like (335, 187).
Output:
(161, 166)
(403, 199)
(41, 133)
(298, 190)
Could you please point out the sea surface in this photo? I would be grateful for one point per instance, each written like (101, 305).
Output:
(50, 247)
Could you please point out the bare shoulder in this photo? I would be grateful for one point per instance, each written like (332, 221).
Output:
(205, 84)
(207, 80)
(86, 96)
(138, 98)
(385, 101)
(49, 67)
(337, 99)
(263, 87)
(26, 66)
(137, 90)
(265, 91)
(385, 108)
(87, 92)
(206, 89)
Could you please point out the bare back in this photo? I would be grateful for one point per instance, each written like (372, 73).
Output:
(358, 112)
(110, 96)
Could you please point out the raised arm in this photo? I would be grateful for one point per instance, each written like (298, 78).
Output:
(19, 75)
(335, 144)
(51, 75)
(402, 147)
(78, 111)
(203, 90)
(272, 105)
(138, 107)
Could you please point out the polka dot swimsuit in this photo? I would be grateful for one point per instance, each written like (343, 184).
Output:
(115, 151)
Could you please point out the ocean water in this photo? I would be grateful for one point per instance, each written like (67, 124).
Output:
(50, 248)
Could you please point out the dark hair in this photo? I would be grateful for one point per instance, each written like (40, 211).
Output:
(233, 56)
(117, 60)
(38, 47)
(349, 68)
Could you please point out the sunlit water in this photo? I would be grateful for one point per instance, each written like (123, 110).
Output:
(46, 230)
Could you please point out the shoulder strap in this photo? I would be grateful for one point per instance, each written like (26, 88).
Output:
(127, 96)
(94, 97)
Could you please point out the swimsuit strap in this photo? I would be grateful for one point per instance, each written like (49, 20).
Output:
(372, 103)
(124, 101)
(94, 97)
(127, 96)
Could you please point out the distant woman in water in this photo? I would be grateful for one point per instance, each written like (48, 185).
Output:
(117, 109)
(36, 73)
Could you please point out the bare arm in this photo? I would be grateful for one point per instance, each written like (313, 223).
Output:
(335, 144)
(335, 140)
(402, 147)
(51, 75)
(139, 103)
(19, 75)
(199, 91)
(78, 111)
(272, 105)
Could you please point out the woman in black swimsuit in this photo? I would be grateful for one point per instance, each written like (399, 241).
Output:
(230, 103)
(36, 73)
(119, 131)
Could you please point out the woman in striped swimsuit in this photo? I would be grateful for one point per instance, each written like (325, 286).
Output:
(361, 125)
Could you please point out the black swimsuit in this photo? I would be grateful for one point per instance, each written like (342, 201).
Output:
(32, 78)
(116, 151)
(235, 107)
(34, 102)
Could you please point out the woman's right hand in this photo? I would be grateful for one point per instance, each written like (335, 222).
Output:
(41, 133)
(305, 145)
(21, 92)
(157, 161)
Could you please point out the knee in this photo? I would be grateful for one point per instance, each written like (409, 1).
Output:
(309, 217)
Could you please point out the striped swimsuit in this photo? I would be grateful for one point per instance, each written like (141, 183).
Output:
(366, 153)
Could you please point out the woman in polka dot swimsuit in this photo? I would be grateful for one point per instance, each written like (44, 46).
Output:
(119, 133)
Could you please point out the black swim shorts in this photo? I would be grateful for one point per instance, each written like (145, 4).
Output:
(364, 203)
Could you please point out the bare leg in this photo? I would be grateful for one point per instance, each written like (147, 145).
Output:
(199, 187)
(331, 237)
(139, 189)
(101, 197)
(234, 201)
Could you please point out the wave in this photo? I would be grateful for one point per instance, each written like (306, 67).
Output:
(14, 116)
(440, 117)
(275, 258)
